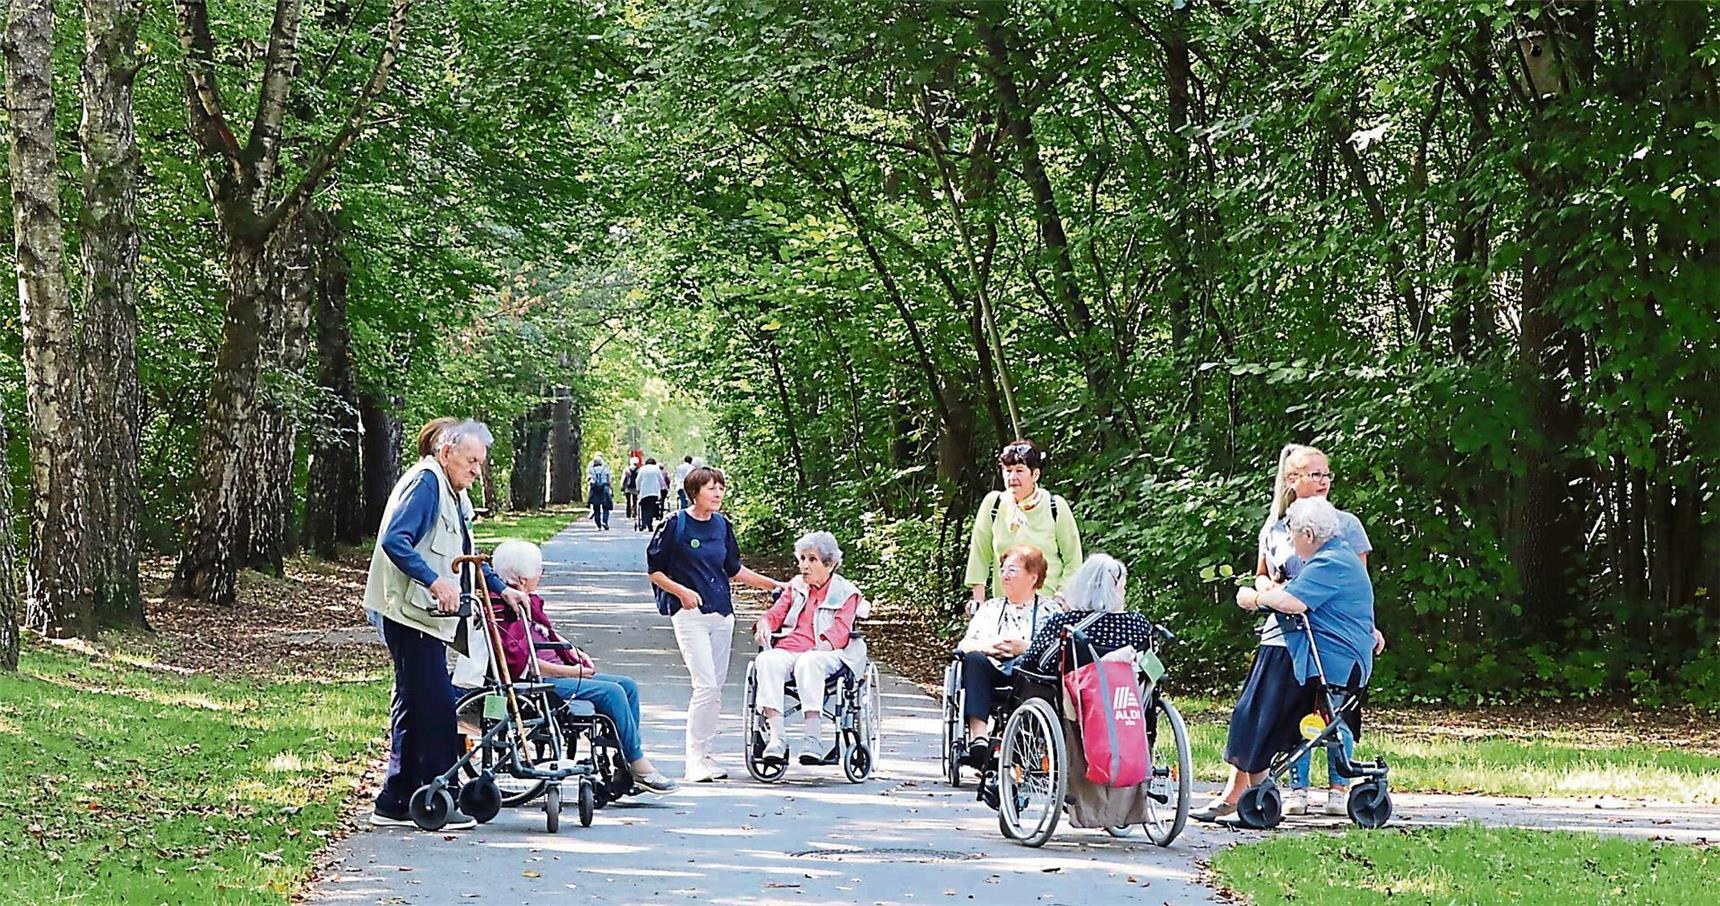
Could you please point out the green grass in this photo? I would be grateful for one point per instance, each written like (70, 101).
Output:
(536, 527)
(132, 785)
(1468, 864)
(1501, 760)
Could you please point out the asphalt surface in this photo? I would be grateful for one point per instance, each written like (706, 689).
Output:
(902, 836)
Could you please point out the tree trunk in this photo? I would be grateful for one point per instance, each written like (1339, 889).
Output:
(531, 459)
(8, 567)
(112, 400)
(383, 435)
(333, 497)
(208, 565)
(563, 453)
(789, 422)
(1091, 348)
(267, 523)
(57, 599)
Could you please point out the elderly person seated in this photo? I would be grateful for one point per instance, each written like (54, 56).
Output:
(815, 616)
(997, 634)
(571, 671)
(1334, 594)
(1098, 586)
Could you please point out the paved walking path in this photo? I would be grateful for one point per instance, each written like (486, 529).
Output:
(901, 837)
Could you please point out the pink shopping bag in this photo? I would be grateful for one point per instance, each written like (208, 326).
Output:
(1113, 723)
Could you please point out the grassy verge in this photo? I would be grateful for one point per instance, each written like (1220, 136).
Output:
(135, 785)
(1500, 759)
(537, 526)
(1467, 864)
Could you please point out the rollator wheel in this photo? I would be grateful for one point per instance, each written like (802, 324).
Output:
(587, 803)
(481, 798)
(430, 807)
(552, 808)
(1262, 806)
(1121, 830)
(1370, 804)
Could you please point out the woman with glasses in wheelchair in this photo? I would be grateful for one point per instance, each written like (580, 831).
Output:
(571, 671)
(812, 625)
(998, 633)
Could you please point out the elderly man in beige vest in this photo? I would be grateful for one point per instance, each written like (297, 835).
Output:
(412, 586)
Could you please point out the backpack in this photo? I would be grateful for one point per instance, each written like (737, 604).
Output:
(667, 604)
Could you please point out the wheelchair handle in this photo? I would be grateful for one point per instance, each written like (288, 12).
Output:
(552, 646)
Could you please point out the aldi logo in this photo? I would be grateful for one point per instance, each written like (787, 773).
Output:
(1125, 705)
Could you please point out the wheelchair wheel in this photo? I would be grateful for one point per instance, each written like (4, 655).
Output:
(1172, 778)
(587, 802)
(543, 746)
(1033, 774)
(1261, 807)
(552, 808)
(430, 806)
(873, 716)
(1121, 831)
(856, 758)
(754, 736)
(1370, 804)
(952, 706)
(481, 799)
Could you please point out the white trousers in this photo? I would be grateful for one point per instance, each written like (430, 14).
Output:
(705, 640)
(809, 668)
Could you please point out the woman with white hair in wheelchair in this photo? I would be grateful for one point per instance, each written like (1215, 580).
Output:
(815, 617)
(1098, 586)
(571, 671)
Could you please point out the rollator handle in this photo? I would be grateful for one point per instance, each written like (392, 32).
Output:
(552, 646)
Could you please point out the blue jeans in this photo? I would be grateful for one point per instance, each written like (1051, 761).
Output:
(614, 697)
(426, 741)
(1300, 768)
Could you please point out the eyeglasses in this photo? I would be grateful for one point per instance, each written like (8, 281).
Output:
(1320, 476)
(1018, 449)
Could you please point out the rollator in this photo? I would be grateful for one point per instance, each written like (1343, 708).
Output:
(521, 740)
(1370, 805)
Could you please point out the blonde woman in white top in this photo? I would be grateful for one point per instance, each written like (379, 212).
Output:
(1000, 631)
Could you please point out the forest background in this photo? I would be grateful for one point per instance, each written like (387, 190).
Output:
(846, 250)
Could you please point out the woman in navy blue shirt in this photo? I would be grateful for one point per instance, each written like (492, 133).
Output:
(691, 560)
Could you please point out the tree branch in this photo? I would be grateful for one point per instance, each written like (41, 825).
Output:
(329, 155)
(264, 148)
(208, 118)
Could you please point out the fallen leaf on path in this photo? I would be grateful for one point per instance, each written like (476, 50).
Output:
(779, 885)
(533, 874)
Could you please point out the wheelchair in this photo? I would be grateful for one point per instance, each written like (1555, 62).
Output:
(854, 705)
(1370, 805)
(1028, 778)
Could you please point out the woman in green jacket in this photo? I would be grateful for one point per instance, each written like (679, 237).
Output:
(1021, 513)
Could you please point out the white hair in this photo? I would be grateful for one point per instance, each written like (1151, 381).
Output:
(516, 560)
(466, 429)
(823, 545)
(1096, 586)
(1314, 515)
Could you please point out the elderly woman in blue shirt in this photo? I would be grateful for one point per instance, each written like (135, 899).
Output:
(1334, 593)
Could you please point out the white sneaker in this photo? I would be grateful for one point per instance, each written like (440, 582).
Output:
(1296, 802)
(715, 769)
(775, 751)
(1338, 802)
(697, 772)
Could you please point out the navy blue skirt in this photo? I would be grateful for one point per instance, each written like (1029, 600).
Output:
(1267, 716)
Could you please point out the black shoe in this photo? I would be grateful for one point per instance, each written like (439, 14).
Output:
(977, 754)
